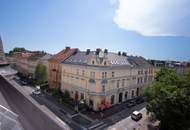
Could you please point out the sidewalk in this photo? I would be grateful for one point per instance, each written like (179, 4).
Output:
(44, 112)
(4, 103)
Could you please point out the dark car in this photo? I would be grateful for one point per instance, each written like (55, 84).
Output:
(23, 82)
(136, 116)
(131, 104)
(139, 100)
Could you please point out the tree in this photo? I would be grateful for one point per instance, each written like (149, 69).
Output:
(40, 74)
(168, 97)
(17, 49)
(66, 94)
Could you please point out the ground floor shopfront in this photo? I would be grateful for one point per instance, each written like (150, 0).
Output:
(103, 100)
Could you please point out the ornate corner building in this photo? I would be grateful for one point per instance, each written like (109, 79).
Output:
(99, 77)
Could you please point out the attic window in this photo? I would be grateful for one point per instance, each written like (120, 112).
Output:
(93, 62)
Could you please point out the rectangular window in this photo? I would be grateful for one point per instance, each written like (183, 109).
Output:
(138, 80)
(105, 74)
(92, 75)
(103, 88)
(132, 94)
(123, 82)
(77, 71)
(82, 96)
(118, 83)
(113, 74)
(102, 75)
(83, 72)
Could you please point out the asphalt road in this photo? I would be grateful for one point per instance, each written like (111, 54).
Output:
(30, 117)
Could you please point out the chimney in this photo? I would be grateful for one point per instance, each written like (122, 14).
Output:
(67, 48)
(119, 53)
(87, 51)
(98, 51)
(124, 54)
(106, 51)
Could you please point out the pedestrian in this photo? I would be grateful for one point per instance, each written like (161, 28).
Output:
(101, 114)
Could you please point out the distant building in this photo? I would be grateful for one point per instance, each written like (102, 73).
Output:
(2, 55)
(25, 62)
(180, 67)
(5, 69)
(101, 78)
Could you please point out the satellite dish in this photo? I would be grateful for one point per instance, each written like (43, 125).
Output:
(101, 54)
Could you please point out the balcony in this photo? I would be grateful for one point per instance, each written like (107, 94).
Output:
(97, 93)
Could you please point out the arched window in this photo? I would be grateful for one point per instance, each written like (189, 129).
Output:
(137, 92)
(132, 94)
(112, 99)
(126, 95)
(93, 62)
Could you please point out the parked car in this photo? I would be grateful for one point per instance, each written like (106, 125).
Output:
(23, 82)
(36, 92)
(136, 116)
(131, 104)
(140, 100)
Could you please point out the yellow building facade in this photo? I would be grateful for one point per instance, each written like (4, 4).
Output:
(104, 77)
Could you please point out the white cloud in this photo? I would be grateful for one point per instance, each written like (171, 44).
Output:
(154, 17)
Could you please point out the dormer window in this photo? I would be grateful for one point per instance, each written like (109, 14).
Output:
(105, 63)
(93, 62)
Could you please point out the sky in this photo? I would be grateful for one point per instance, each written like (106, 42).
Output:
(154, 29)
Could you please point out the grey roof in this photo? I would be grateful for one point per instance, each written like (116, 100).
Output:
(115, 59)
(139, 61)
(78, 58)
(81, 58)
(46, 57)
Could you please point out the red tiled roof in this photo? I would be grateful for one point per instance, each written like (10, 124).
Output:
(63, 55)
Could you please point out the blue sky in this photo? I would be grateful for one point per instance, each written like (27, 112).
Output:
(119, 25)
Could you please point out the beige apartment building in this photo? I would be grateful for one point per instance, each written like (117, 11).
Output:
(102, 77)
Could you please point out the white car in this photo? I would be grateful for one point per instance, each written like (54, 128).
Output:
(36, 92)
(136, 116)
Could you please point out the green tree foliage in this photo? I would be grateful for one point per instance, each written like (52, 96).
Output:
(169, 99)
(66, 94)
(40, 75)
(17, 49)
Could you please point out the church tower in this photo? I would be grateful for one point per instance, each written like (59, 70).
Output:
(2, 55)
